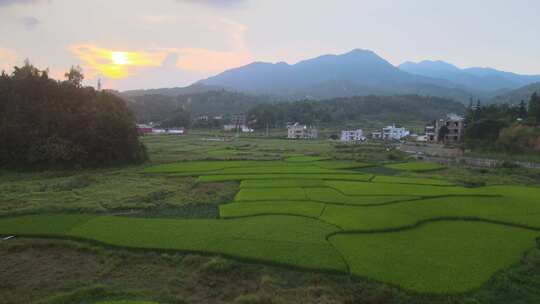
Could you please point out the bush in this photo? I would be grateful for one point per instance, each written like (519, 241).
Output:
(519, 139)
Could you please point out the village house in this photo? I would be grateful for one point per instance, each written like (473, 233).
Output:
(298, 131)
(352, 135)
(391, 133)
(455, 126)
(238, 123)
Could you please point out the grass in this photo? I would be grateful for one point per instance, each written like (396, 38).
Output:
(330, 195)
(288, 176)
(126, 302)
(359, 188)
(103, 191)
(303, 159)
(439, 257)
(416, 166)
(270, 194)
(413, 181)
(308, 209)
(289, 208)
(501, 209)
(287, 240)
(281, 183)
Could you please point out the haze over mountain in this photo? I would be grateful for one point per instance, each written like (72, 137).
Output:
(359, 72)
(485, 79)
(362, 72)
(356, 73)
(517, 95)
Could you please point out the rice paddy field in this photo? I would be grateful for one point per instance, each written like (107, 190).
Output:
(303, 206)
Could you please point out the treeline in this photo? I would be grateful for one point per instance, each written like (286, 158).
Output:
(341, 111)
(504, 128)
(44, 122)
(183, 110)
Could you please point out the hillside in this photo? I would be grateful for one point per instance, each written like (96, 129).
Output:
(159, 107)
(171, 92)
(359, 72)
(516, 96)
(352, 110)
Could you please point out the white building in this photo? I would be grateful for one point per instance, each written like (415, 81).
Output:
(241, 128)
(391, 133)
(298, 131)
(352, 135)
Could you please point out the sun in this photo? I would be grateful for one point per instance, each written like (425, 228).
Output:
(120, 58)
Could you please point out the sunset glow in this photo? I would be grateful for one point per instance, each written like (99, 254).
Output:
(120, 58)
(115, 64)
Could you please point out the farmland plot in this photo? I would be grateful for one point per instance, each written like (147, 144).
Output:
(425, 235)
(439, 257)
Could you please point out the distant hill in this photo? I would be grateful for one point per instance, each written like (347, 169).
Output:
(359, 72)
(516, 96)
(158, 108)
(354, 111)
(356, 73)
(489, 80)
(172, 92)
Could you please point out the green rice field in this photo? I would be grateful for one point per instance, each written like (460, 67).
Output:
(426, 235)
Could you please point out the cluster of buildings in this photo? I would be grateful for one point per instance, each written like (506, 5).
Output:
(298, 131)
(450, 129)
(391, 133)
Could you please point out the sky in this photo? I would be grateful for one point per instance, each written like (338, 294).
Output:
(132, 44)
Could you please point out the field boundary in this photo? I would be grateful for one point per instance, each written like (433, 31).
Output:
(183, 251)
(432, 220)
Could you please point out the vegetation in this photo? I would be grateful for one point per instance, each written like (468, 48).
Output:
(341, 111)
(438, 257)
(504, 128)
(44, 122)
(352, 219)
(415, 166)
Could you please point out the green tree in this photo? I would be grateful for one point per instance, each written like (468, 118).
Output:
(522, 112)
(44, 122)
(519, 139)
(534, 109)
(443, 131)
(75, 76)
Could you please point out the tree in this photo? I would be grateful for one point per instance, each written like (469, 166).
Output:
(45, 123)
(519, 139)
(522, 111)
(443, 131)
(534, 109)
(75, 76)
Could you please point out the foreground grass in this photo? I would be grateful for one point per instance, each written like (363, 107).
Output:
(286, 240)
(415, 166)
(439, 257)
(293, 197)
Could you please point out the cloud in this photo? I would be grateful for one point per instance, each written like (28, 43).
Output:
(217, 3)
(115, 63)
(8, 59)
(208, 61)
(30, 22)
(22, 2)
(119, 64)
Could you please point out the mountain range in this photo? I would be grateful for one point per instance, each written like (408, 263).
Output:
(484, 79)
(357, 73)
